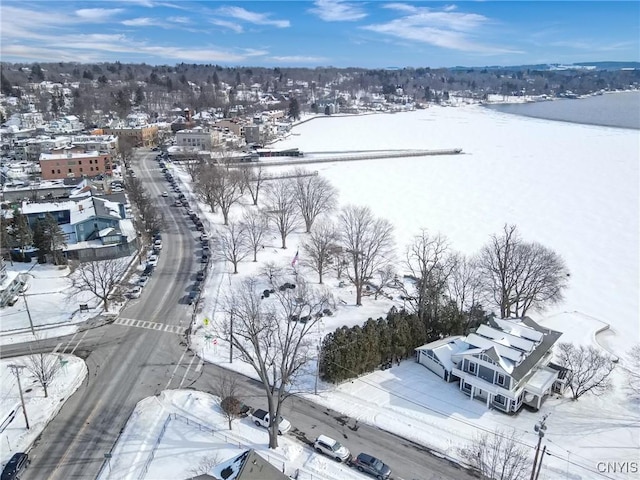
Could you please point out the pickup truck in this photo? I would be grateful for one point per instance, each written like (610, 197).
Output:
(261, 419)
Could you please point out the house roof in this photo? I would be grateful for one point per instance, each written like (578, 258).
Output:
(517, 345)
(248, 465)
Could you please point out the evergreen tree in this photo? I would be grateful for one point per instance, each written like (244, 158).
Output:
(294, 109)
(5, 86)
(22, 234)
(49, 238)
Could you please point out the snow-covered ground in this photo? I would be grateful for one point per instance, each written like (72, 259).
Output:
(573, 188)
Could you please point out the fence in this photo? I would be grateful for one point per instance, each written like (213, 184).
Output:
(152, 454)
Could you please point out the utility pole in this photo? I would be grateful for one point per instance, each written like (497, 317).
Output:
(231, 339)
(544, 450)
(540, 428)
(16, 371)
(33, 331)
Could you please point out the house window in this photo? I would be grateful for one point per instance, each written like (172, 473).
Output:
(80, 169)
(472, 367)
(53, 171)
(500, 379)
(58, 170)
(91, 168)
(70, 170)
(90, 162)
(79, 162)
(499, 399)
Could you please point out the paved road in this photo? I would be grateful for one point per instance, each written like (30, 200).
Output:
(127, 363)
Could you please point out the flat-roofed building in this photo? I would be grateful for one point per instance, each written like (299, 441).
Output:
(74, 164)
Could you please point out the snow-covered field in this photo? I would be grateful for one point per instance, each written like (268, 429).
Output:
(573, 188)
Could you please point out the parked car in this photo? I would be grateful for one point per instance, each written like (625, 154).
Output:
(371, 465)
(143, 280)
(135, 292)
(205, 258)
(204, 236)
(15, 466)
(261, 419)
(194, 293)
(165, 194)
(332, 448)
(200, 275)
(153, 260)
(157, 244)
(13, 300)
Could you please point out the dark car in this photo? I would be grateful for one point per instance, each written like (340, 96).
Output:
(371, 465)
(200, 276)
(15, 466)
(194, 293)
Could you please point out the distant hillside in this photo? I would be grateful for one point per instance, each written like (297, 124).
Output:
(559, 66)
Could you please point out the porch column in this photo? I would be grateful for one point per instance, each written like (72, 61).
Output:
(489, 398)
(472, 393)
(539, 401)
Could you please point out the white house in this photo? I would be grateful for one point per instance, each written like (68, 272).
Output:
(505, 363)
(198, 137)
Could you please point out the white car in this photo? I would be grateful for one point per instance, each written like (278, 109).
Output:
(204, 236)
(153, 260)
(157, 244)
(142, 281)
(165, 194)
(135, 292)
(332, 448)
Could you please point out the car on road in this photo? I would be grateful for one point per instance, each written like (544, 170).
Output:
(135, 292)
(200, 275)
(152, 260)
(194, 293)
(157, 244)
(204, 258)
(204, 236)
(143, 280)
(261, 419)
(332, 448)
(15, 466)
(371, 465)
(165, 194)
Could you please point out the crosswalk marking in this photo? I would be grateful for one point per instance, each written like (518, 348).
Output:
(132, 322)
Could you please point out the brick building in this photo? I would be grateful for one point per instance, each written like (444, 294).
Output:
(74, 164)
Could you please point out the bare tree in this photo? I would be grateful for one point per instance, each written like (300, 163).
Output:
(273, 335)
(588, 369)
(256, 229)
(232, 244)
(314, 195)
(464, 283)
(498, 456)
(281, 207)
(430, 263)
(99, 277)
(205, 186)
(205, 465)
(319, 248)
(226, 388)
(632, 368)
(384, 277)
(194, 168)
(253, 178)
(367, 243)
(44, 367)
(518, 276)
(227, 189)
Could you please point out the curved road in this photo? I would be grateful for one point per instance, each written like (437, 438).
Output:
(141, 354)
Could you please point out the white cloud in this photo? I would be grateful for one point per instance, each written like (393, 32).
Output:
(140, 22)
(298, 59)
(337, 11)
(97, 14)
(227, 24)
(445, 28)
(256, 18)
(182, 20)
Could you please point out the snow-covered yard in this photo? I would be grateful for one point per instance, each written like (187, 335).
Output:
(575, 192)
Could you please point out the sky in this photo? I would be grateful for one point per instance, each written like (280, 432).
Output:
(369, 34)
